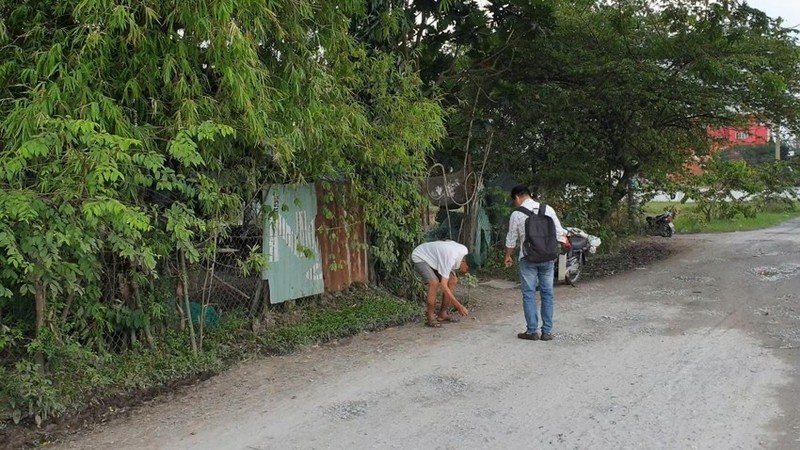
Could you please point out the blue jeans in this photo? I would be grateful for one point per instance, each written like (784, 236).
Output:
(529, 274)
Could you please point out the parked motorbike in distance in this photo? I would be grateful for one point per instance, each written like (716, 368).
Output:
(661, 225)
(574, 254)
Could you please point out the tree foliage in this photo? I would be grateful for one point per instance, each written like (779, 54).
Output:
(132, 134)
(728, 188)
(593, 94)
(755, 154)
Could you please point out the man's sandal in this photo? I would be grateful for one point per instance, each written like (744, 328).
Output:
(433, 323)
(450, 319)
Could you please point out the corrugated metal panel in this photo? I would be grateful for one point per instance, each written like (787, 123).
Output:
(342, 238)
(290, 243)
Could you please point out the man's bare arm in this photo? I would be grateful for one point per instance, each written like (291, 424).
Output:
(451, 298)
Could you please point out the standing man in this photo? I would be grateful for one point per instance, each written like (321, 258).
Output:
(529, 272)
(436, 262)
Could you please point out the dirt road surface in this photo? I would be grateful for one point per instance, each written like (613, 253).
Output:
(699, 351)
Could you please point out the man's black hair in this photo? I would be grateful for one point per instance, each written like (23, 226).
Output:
(520, 189)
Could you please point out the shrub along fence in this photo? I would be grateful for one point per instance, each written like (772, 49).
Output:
(177, 320)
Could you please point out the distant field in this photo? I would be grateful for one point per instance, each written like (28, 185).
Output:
(687, 222)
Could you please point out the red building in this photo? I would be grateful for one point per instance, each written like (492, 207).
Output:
(754, 134)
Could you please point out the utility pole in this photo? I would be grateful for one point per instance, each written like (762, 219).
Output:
(778, 142)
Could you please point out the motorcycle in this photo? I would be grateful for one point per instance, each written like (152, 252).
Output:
(574, 254)
(661, 225)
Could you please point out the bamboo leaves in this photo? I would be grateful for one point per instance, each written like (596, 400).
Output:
(132, 134)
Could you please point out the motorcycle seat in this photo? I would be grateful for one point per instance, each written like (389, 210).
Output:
(579, 242)
(658, 218)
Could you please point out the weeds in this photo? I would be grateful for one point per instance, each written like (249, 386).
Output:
(368, 313)
(76, 378)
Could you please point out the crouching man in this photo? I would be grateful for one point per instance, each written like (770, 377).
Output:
(436, 262)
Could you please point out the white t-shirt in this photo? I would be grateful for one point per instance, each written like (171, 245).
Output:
(442, 256)
(516, 225)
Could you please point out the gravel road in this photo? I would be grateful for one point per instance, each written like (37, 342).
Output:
(698, 351)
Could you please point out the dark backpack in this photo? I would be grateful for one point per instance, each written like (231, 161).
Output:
(540, 243)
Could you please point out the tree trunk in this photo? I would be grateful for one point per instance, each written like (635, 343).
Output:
(466, 230)
(205, 296)
(256, 299)
(137, 297)
(185, 281)
(67, 307)
(40, 295)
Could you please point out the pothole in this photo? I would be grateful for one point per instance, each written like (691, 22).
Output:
(447, 384)
(773, 273)
(348, 410)
(645, 330)
(671, 293)
(767, 253)
(578, 338)
(692, 278)
(778, 311)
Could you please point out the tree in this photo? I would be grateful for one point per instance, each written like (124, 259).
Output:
(133, 133)
(593, 94)
(754, 154)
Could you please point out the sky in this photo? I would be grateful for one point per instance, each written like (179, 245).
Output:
(789, 10)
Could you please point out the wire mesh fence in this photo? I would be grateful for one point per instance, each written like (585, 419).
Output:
(140, 311)
(222, 286)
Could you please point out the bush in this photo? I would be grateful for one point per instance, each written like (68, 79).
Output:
(777, 179)
(74, 378)
(768, 187)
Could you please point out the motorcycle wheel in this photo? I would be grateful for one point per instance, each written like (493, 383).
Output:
(574, 272)
(666, 230)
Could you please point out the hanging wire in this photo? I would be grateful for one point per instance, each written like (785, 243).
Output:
(470, 196)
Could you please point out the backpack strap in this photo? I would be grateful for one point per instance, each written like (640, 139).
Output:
(528, 212)
(542, 208)
(524, 210)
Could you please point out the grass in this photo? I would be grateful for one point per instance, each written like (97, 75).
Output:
(79, 379)
(688, 221)
(368, 313)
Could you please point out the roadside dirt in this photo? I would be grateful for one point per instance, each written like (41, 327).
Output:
(636, 255)
(697, 351)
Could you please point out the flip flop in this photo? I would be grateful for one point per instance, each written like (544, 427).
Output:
(433, 323)
(450, 319)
